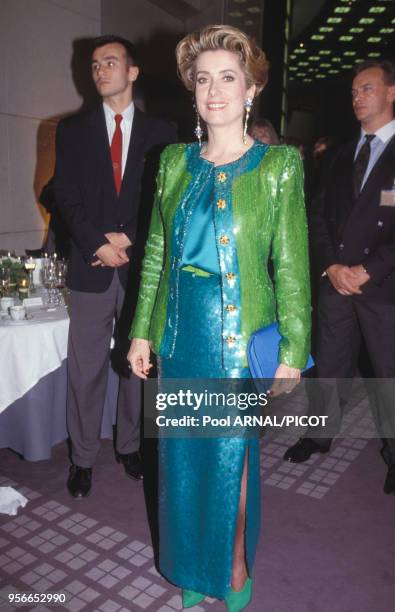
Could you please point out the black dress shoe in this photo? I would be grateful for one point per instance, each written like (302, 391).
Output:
(389, 485)
(79, 481)
(132, 464)
(303, 449)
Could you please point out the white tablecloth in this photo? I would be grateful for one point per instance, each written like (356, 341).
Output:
(29, 350)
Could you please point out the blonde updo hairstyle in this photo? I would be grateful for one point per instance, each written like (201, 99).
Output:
(214, 37)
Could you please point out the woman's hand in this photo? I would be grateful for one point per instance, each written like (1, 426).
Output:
(138, 357)
(285, 380)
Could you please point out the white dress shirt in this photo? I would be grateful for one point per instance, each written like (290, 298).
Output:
(126, 128)
(377, 145)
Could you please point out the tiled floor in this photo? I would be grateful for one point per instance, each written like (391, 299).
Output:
(102, 560)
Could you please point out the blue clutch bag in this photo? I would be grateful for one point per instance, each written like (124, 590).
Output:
(262, 352)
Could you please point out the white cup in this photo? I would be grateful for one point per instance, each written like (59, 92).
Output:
(17, 313)
(6, 303)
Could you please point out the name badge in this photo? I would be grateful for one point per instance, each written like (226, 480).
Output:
(387, 198)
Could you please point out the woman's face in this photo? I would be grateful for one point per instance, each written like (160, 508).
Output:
(221, 88)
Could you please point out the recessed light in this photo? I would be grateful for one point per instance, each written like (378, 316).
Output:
(235, 14)
(333, 71)
(303, 64)
(317, 37)
(324, 52)
(366, 20)
(336, 59)
(320, 76)
(347, 66)
(314, 58)
(345, 38)
(374, 39)
(325, 65)
(377, 9)
(356, 30)
(334, 20)
(350, 53)
(253, 9)
(374, 54)
(342, 9)
(299, 50)
(387, 30)
(326, 29)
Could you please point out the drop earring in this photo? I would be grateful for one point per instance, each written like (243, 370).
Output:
(198, 129)
(247, 106)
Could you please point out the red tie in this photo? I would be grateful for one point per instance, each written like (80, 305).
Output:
(116, 153)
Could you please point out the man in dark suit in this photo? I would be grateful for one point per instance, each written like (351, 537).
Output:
(100, 159)
(353, 239)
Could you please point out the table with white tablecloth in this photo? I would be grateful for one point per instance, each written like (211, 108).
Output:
(33, 377)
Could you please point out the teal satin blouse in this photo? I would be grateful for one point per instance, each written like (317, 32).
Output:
(200, 250)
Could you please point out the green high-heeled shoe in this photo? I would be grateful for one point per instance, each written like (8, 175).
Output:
(191, 598)
(238, 600)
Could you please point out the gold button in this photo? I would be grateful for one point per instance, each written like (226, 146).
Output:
(230, 276)
(221, 204)
(231, 308)
(224, 240)
(221, 177)
(231, 340)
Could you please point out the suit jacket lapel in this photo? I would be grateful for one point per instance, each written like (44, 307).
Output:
(345, 201)
(135, 150)
(102, 148)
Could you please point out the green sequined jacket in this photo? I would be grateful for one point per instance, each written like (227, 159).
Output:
(258, 213)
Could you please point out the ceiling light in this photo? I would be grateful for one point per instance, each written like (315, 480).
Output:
(307, 80)
(314, 58)
(301, 74)
(325, 65)
(345, 38)
(347, 66)
(387, 30)
(374, 39)
(299, 50)
(350, 53)
(324, 52)
(374, 54)
(293, 68)
(317, 37)
(249, 22)
(326, 29)
(320, 76)
(356, 30)
(366, 20)
(235, 14)
(253, 9)
(303, 64)
(377, 9)
(333, 71)
(334, 20)
(336, 59)
(342, 9)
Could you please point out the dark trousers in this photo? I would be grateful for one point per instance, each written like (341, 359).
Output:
(91, 327)
(343, 321)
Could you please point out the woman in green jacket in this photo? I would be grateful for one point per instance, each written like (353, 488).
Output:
(222, 208)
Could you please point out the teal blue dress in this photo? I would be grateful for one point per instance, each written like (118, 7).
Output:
(200, 479)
